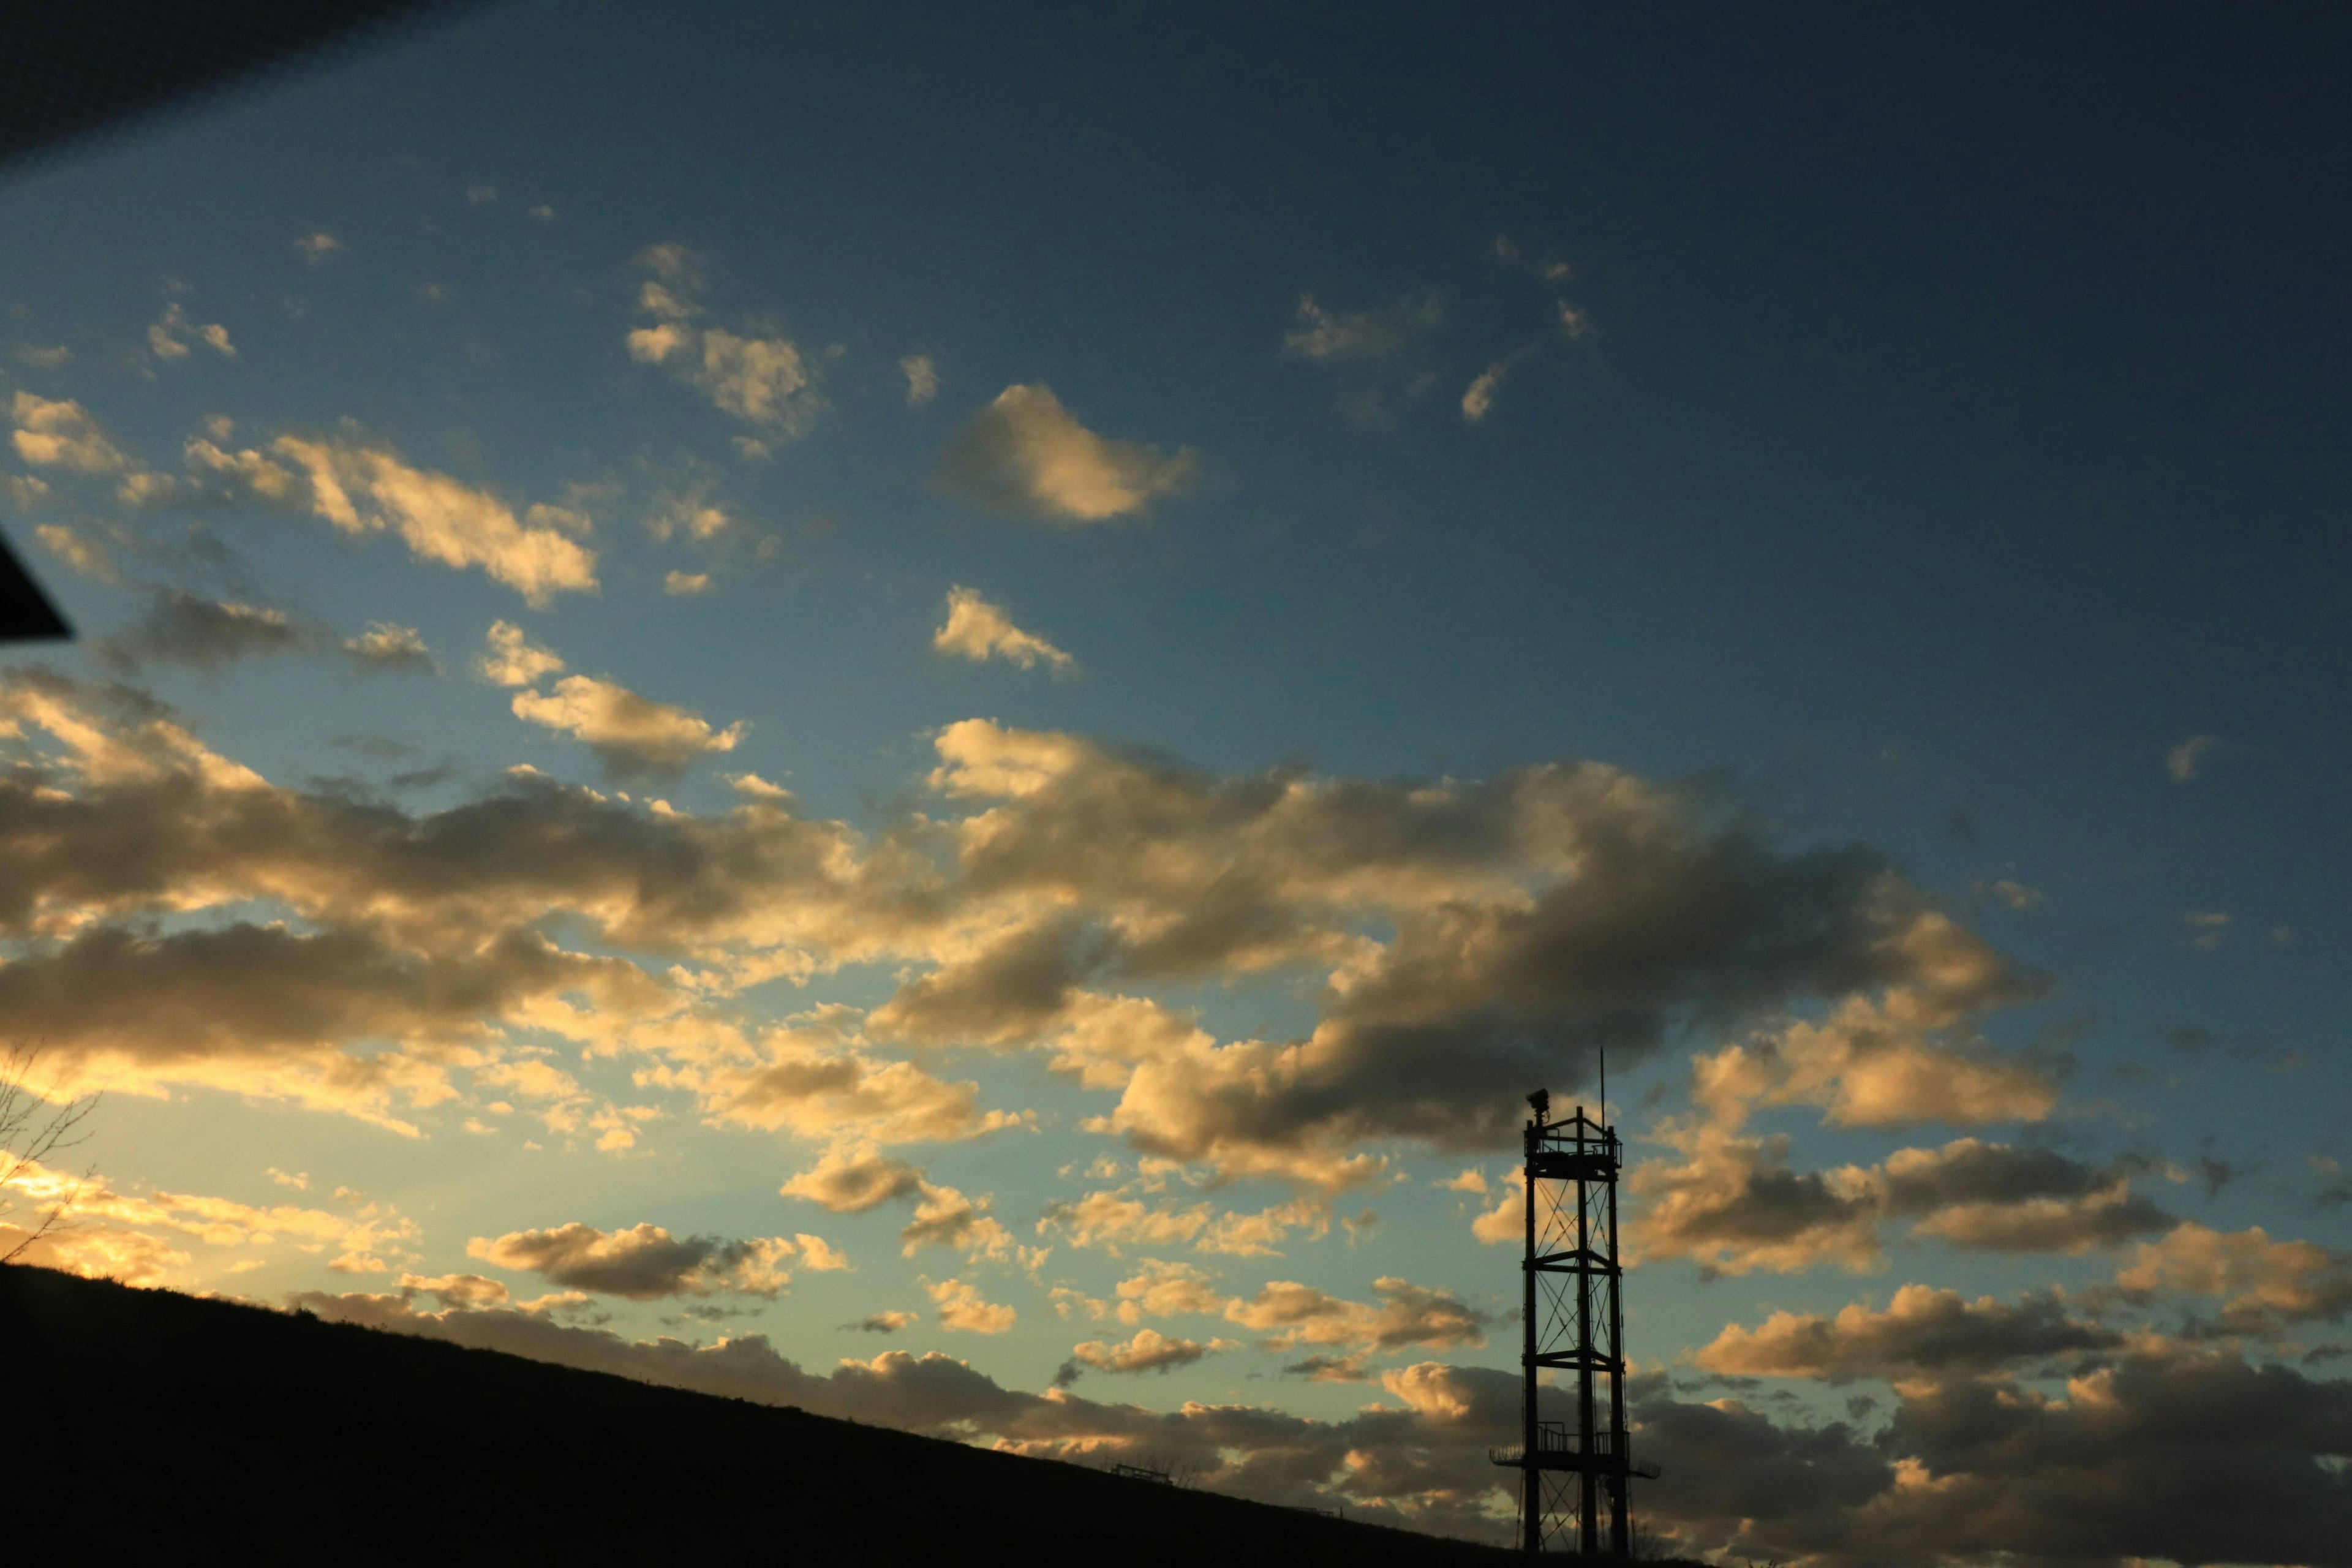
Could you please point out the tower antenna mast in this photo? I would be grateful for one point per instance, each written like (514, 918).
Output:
(1574, 1322)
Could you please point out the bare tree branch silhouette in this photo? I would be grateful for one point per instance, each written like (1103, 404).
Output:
(34, 1125)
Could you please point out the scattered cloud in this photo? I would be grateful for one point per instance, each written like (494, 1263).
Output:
(60, 433)
(2265, 1286)
(643, 1263)
(365, 488)
(37, 356)
(187, 629)
(197, 633)
(852, 1178)
(86, 555)
(922, 379)
(634, 737)
(761, 380)
(686, 584)
(1027, 456)
(1735, 1206)
(318, 247)
(139, 1236)
(1404, 1315)
(959, 1307)
(2185, 764)
(1923, 1333)
(980, 631)
(819, 1086)
(174, 335)
(512, 660)
(2007, 893)
(1326, 336)
(1458, 940)
(1148, 1351)
(387, 648)
(1480, 395)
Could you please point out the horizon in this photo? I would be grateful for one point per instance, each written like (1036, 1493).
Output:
(946, 712)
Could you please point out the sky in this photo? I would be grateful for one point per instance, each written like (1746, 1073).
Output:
(931, 713)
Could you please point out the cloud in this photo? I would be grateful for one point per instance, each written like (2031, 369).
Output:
(317, 248)
(1966, 1468)
(1537, 918)
(417, 937)
(1164, 1289)
(260, 1009)
(1406, 1314)
(980, 631)
(2211, 927)
(1024, 454)
(685, 584)
(384, 647)
(197, 633)
(760, 380)
(2011, 895)
(643, 1263)
(922, 379)
(1327, 336)
(1992, 1197)
(692, 515)
(184, 628)
(853, 1178)
(763, 381)
(1735, 1207)
(363, 490)
(805, 1082)
(961, 1309)
(1458, 941)
(112, 1233)
(44, 356)
(1113, 1220)
(512, 660)
(1480, 395)
(60, 433)
(634, 737)
(1148, 1351)
(2186, 762)
(945, 1217)
(172, 337)
(884, 1323)
(2264, 1286)
(1923, 1332)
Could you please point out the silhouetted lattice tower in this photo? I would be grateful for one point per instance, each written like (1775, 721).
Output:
(1575, 1325)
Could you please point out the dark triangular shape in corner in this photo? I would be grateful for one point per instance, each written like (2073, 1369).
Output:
(26, 613)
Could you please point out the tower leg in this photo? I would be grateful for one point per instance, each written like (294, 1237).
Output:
(1587, 1535)
(1531, 1498)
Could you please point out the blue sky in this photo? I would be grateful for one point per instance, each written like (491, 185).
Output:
(1913, 461)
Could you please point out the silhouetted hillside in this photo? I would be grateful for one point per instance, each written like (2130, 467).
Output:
(150, 1426)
